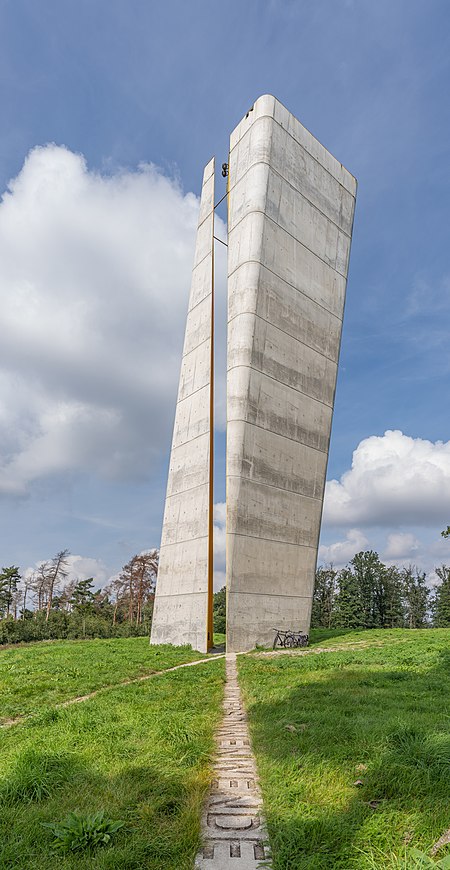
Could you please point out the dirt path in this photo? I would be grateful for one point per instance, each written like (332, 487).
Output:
(8, 723)
(359, 644)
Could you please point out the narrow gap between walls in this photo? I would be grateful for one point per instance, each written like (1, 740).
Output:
(220, 374)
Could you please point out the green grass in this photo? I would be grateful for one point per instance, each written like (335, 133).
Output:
(50, 672)
(141, 753)
(219, 638)
(331, 637)
(322, 721)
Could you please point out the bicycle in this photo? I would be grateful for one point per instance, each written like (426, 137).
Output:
(289, 639)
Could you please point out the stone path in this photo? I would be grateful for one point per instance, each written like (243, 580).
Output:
(234, 833)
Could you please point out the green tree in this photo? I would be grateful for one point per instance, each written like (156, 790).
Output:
(446, 532)
(82, 600)
(393, 610)
(415, 595)
(441, 602)
(369, 595)
(348, 611)
(324, 597)
(379, 589)
(220, 610)
(369, 572)
(9, 580)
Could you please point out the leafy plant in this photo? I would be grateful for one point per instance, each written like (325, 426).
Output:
(422, 860)
(81, 832)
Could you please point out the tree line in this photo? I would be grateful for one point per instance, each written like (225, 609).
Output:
(365, 594)
(368, 594)
(45, 605)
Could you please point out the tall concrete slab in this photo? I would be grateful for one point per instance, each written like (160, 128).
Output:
(291, 206)
(182, 611)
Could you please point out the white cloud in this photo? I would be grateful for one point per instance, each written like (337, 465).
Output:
(79, 568)
(220, 513)
(339, 553)
(219, 544)
(83, 567)
(396, 548)
(401, 545)
(94, 279)
(219, 580)
(394, 480)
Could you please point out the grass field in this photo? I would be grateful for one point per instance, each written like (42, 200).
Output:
(36, 675)
(139, 752)
(320, 722)
(376, 709)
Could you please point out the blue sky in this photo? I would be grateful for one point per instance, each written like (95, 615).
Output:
(96, 246)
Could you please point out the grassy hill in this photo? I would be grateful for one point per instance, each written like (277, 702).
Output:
(351, 737)
(34, 675)
(140, 752)
(353, 748)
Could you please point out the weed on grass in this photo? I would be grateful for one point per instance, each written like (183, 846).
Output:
(81, 833)
(140, 754)
(353, 749)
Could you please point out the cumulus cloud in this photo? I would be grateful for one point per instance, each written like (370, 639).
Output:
(79, 568)
(220, 513)
(83, 567)
(94, 278)
(339, 553)
(401, 545)
(394, 480)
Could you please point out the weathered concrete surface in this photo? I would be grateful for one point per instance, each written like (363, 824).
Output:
(291, 207)
(181, 603)
(233, 828)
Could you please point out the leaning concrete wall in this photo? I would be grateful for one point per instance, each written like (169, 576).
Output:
(181, 603)
(291, 206)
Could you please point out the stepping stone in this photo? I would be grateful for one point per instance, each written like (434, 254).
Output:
(237, 823)
(234, 832)
(232, 855)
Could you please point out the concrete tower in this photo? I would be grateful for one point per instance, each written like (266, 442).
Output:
(290, 217)
(183, 603)
(291, 208)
